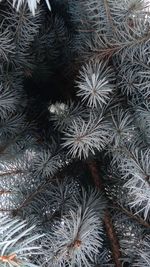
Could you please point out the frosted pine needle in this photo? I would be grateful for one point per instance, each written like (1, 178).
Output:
(32, 4)
(96, 82)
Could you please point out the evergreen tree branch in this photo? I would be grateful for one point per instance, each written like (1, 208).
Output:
(39, 189)
(116, 46)
(131, 215)
(12, 172)
(32, 4)
(30, 197)
(18, 242)
(6, 210)
(107, 8)
(3, 191)
(115, 246)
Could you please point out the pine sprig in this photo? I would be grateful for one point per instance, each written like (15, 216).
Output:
(79, 236)
(82, 138)
(95, 83)
(18, 243)
(32, 4)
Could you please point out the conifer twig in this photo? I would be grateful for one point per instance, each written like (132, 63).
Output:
(108, 13)
(115, 246)
(40, 188)
(12, 172)
(132, 216)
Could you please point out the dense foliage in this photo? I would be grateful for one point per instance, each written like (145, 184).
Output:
(74, 133)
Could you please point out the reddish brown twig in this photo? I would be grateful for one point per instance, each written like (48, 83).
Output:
(12, 172)
(3, 191)
(131, 215)
(10, 259)
(115, 246)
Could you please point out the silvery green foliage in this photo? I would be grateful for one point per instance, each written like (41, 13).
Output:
(7, 49)
(20, 28)
(119, 30)
(131, 240)
(134, 79)
(16, 181)
(143, 256)
(103, 259)
(9, 100)
(18, 242)
(52, 202)
(94, 199)
(63, 114)
(84, 137)
(10, 178)
(46, 162)
(32, 4)
(9, 126)
(122, 127)
(72, 218)
(142, 115)
(135, 168)
(95, 83)
(50, 46)
(12, 81)
(79, 236)
(23, 28)
(107, 28)
(126, 9)
(79, 250)
(63, 194)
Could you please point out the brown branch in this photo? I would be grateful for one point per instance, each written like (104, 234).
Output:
(112, 48)
(12, 258)
(132, 216)
(86, 30)
(6, 210)
(95, 175)
(105, 52)
(11, 172)
(115, 246)
(3, 191)
(26, 201)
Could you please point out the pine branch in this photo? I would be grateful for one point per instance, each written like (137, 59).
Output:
(12, 172)
(133, 163)
(39, 189)
(31, 196)
(96, 83)
(6, 210)
(77, 241)
(132, 216)
(18, 242)
(3, 191)
(32, 4)
(115, 246)
(107, 8)
(124, 41)
(82, 138)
